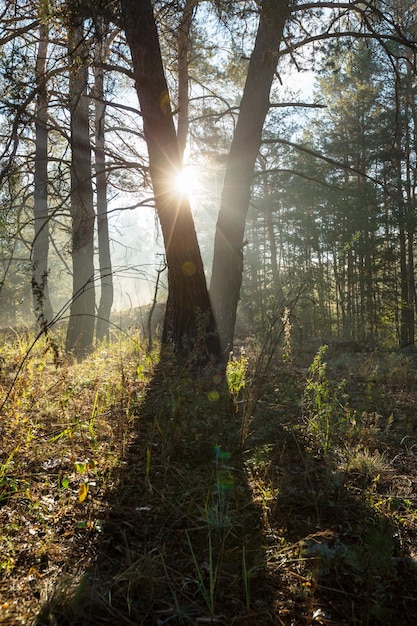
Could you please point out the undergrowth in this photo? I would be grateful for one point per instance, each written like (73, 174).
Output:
(65, 427)
(134, 493)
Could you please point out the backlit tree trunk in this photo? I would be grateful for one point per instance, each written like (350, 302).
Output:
(228, 246)
(40, 292)
(189, 322)
(183, 77)
(106, 275)
(80, 333)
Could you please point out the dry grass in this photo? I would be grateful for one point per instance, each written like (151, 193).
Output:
(126, 496)
(65, 428)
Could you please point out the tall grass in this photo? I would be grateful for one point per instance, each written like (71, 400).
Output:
(64, 429)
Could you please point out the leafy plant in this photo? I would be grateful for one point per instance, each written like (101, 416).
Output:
(323, 411)
(236, 374)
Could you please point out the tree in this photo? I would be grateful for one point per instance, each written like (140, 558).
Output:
(305, 251)
(183, 40)
(106, 275)
(189, 323)
(80, 332)
(40, 288)
(228, 246)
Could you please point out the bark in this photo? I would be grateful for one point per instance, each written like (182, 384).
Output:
(80, 333)
(189, 323)
(409, 193)
(183, 76)
(104, 255)
(40, 292)
(228, 246)
(405, 233)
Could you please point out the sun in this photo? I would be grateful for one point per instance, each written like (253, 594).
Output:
(185, 181)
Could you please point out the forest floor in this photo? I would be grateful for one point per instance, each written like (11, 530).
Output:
(131, 494)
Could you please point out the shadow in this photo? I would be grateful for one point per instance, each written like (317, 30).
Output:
(181, 537)
(340, 546)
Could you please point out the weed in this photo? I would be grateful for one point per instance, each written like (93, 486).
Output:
(320, 403)
(365, 465)
(236, 374)
(207, 570)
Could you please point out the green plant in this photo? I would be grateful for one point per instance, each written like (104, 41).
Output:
(236, 374)
(207, 569)
(329, 419)
(366, 464)
(319, 401)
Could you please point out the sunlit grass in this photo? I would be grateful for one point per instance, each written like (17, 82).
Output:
(196, 522)
(64, 429)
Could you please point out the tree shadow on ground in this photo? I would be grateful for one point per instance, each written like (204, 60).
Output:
(340, 544)
(181, 539)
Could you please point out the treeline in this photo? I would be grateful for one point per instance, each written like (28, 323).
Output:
(333, 219)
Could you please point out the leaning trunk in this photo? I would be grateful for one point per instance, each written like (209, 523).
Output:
(228, 246)
(189, 324)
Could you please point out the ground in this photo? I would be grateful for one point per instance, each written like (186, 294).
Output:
(134, 493)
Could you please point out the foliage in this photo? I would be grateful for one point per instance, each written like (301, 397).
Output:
(236, 373)
(323, 411)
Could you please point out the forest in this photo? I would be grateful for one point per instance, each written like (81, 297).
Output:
(208, 369)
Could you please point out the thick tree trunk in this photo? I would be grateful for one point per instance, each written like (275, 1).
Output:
(80, 333)
(40, 292)
(106, 275)
(189, 322)
(228, 246)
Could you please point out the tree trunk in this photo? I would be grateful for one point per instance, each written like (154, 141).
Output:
(228, 246)
(405, 231)
(183, 77)
(106, 275)
(80, 333)
(40, 292)
(410, 199)
(189, 323)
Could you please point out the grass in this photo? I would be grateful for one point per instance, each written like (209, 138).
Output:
(131, 493)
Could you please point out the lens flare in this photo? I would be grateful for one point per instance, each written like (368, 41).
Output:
(185, 181)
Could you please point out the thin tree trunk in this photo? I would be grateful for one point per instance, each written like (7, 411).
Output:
(409, 166)
(104, 255)
(80, 333)
(273, 248)
(40, 292)
(228, 246)
(189, 322)
(269, 221)
(183, 77)
(406, 298)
